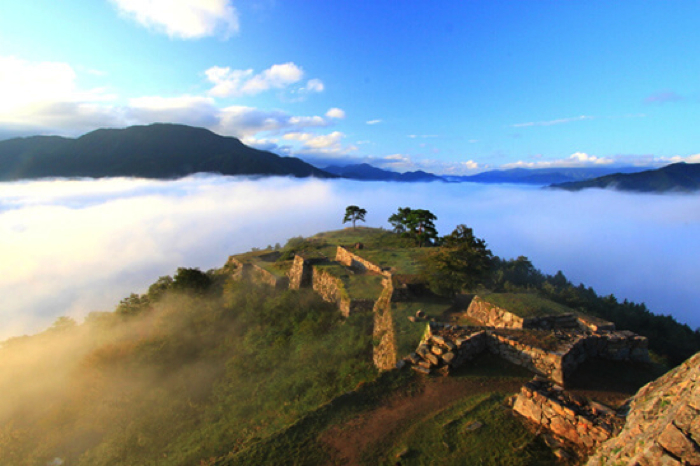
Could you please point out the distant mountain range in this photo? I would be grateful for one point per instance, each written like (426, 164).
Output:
(534, 176)
(542, 176)
(164, 150)
(154, 151)
(366, 172)
(682, 177)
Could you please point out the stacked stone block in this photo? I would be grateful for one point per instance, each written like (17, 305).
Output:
(586, 423)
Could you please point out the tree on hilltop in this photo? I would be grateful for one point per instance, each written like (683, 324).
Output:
(415, 223)
(354, 213)
(462, 262)
(400, 220)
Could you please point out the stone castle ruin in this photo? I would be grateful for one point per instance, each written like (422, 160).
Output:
(550, 346)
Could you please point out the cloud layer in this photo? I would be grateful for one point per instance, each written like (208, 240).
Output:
(70, 247)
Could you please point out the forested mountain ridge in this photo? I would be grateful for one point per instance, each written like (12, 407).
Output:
(154, 151)
(679, 177)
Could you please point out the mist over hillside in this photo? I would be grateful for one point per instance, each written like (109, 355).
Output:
(71, 247)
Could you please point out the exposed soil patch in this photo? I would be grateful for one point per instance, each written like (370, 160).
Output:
(348, 440)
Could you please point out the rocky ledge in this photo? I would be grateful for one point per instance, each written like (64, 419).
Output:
(663, 424)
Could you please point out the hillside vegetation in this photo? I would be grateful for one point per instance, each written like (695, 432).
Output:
(207, 370)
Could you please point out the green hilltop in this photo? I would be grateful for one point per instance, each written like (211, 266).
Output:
(238, 366)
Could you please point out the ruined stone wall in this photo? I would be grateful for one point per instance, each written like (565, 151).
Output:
(556, 365)
(261, 275)
(441, 352)
(349, 259)
(663, 424)
(239, 269)
(300, 273)
(326, 285)
(494, 316)
(383, 334)
(548, 364)
(586, 423)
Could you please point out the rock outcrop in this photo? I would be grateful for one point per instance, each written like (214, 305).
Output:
(663, 424)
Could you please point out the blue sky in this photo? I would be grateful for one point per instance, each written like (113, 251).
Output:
(448, 87)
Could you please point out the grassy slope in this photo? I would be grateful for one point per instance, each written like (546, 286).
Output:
(435, 435)
(526, 304)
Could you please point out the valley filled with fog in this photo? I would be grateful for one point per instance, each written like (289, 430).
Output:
(69, 247)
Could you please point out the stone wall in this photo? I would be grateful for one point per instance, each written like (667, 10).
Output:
(663, 424)
(494, 316)
(326, 285)
(383, 335)
(586, 423)
(349, 259)
(441, 351)
(261, 275)
(556, 365)
(539, 361)
(300, 273)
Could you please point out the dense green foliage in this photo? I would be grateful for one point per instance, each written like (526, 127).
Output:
(418, 224)
(462, 262)
(175, 377)
(154, 151)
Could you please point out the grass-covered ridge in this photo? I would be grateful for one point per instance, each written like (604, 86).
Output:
(526, 304)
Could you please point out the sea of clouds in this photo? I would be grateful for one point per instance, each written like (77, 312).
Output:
(68, 247)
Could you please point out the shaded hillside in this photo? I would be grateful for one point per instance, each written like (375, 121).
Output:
(681, 177)
(153, 151)
(366, 172)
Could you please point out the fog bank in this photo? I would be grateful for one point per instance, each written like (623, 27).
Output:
(71, 247)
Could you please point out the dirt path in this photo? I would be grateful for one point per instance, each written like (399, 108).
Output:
(347, 441)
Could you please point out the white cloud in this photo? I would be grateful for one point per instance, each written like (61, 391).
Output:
(314, 145)
(578, 159)
(314, 85)
(373, 122)
(316, 142)
(677, 158)
(188, 110)
(243, 121)
(184, 19)
(43, 98)
(44, 94)
(335, 113)
(235, 83)
(552, 122)
(423, 136)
